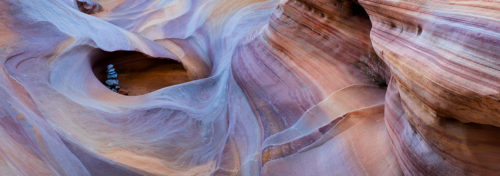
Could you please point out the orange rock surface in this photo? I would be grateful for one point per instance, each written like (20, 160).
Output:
(250, 87)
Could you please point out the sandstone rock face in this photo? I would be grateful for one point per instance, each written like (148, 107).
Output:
(443, 104)
(253, 87)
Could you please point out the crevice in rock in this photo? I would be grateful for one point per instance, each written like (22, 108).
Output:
(138, 73)
(371, 64)
(375, 68)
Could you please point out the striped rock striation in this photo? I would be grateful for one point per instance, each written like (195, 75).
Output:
(442, 108)
(250, 87)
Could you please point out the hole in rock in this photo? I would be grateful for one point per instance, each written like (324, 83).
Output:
(138, 73)
(392, 25)
(419, 30)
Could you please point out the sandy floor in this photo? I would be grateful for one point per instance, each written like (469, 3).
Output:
(153, 78)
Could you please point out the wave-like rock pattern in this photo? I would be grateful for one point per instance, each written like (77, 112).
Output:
(444, 102)
(290, 87)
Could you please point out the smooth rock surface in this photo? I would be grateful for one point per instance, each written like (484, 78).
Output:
(250, 87)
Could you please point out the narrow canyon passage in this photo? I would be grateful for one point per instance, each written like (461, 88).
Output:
(249, 87)
(138, 73)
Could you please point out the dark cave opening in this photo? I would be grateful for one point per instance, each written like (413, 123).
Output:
(138, 73)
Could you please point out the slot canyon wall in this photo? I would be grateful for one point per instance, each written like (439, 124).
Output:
(254, 87)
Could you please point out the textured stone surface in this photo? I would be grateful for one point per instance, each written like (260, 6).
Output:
(290, 87)
(443, 109)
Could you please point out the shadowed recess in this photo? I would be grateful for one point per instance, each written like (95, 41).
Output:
(139, 73)
(371, 65)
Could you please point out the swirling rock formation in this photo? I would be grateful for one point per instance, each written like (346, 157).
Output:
(443, 104)
(250, 87)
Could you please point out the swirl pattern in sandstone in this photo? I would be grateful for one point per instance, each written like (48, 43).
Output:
(290, 87)
(442, 108)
